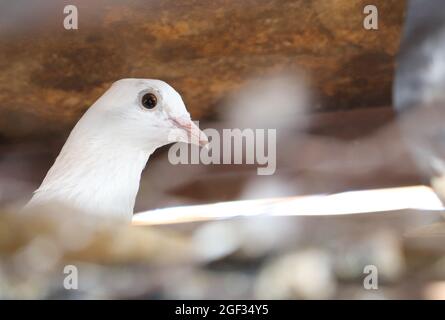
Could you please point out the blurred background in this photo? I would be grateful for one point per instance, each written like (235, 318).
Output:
(306, 68)
(209, 52)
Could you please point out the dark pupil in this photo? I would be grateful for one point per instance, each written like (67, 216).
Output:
(149, 101)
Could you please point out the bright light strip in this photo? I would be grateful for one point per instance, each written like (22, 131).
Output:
(352, 202)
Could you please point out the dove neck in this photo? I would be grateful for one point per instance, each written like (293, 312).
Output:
(101, 179)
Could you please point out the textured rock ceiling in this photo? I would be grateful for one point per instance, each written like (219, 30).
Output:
(205, 49)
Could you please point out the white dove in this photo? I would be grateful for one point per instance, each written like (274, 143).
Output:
(98, 169)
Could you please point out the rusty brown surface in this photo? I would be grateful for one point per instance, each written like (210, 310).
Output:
(205, 49)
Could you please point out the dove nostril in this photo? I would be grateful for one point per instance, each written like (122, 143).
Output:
(149, 100)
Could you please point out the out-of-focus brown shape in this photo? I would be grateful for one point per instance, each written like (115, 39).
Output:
(49, 76)
(110, 258)
(88, 238)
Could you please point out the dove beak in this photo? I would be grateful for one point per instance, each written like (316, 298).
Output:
(194, 134)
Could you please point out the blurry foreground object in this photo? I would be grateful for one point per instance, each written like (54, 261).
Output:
(277, 100)
(36, 248)
(260, 256)
(419, 93)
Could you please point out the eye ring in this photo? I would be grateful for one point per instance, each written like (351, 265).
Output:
(149, 101)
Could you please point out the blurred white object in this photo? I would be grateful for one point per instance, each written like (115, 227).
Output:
(278, 101)
(99, 168)
(435, 291)
(305, 275)
(353, 202)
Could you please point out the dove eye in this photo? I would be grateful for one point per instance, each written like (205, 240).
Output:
(149, 101)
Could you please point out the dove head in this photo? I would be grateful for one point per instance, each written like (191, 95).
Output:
(99, 168)
(144, 114)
